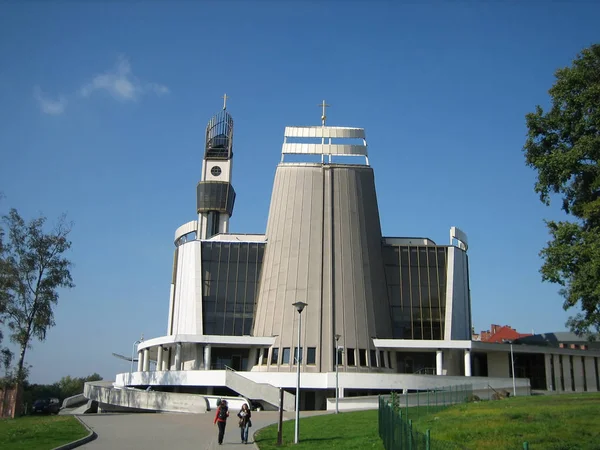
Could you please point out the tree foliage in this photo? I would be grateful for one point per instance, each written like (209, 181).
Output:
(32, 270)
(563, 146)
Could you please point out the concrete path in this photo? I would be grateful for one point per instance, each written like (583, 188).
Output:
(170, 431)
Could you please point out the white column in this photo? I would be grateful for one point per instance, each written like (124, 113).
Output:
(251, 358)
(438, 362)
(578, 373)
(146, 365)
(548, 369)
(590, 374)
(140, 361)
(567, 372)
(467, 363)
(178, 356)
(207, 357)
(165, 360)
(557, 374)
(386, 360)
(159, 358)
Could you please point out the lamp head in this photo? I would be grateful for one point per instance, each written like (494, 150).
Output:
(337, 337)
(299, 306)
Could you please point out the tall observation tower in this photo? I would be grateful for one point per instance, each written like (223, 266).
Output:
(215, 194)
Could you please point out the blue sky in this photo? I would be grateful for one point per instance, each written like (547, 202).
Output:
(103, 107)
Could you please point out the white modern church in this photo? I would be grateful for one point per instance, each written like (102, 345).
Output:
(245, 309)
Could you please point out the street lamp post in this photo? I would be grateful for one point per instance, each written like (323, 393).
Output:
(337, 355)
(299, 307)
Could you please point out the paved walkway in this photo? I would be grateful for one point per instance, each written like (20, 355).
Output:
(172, 431)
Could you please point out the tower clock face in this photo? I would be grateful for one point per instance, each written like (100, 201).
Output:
(215, 171)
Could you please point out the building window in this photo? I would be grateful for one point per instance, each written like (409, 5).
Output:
(350, 357)
(381, 358)
(373, 354)
(274, 356)
(311, 355)
(285, 357)
(362, 357)
(297, 356)
(258, 356)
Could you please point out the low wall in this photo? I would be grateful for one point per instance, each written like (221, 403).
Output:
(136, 399)
(73, 401)
(372, 401)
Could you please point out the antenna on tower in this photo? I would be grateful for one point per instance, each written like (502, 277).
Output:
(323, 116)
(225, 102)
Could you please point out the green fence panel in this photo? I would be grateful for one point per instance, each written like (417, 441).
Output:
(395, 422)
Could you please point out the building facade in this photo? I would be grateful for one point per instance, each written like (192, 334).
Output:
(386, 313)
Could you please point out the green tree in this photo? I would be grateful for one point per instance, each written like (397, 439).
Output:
(563, 146)
(32, 269)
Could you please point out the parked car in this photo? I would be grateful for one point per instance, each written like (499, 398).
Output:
(46, 406)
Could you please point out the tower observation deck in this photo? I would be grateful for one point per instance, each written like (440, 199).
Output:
(215, 194)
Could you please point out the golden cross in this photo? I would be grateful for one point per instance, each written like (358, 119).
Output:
(323, 117)
(225, 101)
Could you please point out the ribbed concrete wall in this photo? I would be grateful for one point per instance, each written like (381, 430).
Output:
(323, 243)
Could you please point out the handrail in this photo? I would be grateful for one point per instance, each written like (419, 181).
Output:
(229, 368)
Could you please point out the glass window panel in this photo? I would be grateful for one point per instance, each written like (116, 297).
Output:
(381, 358)
(404, 256)
(253, 253)
(274, 355)
(414, 259)
(392, 275)
(247, 327)
(206, 252)
(285, 356)
(422, 257)
(414, 276)
(362, 356)
(297, 357)
(373, 358)
(261, 253)
(224, 255)
(311, 355)
(238, 327)
(350, 357)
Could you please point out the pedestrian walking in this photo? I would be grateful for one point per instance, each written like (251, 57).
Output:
(221, 419)
(245, 422)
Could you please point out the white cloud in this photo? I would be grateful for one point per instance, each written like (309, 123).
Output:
(48, 105)
(122, 84)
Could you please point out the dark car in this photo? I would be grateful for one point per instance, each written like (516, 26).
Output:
(46, 406)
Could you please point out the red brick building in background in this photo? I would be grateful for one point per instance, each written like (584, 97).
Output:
(499, 334)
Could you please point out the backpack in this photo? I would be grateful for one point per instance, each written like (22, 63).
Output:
(222, 413)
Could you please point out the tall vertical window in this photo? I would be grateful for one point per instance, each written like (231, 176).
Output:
(373, 358)
(285, 356)
(311, 355)
(362, 357)
(350, 357)
(416, 282)
(230, 274)
(274, 355)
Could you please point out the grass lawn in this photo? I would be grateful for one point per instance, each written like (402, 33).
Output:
(39, 432)
(554, 422)
(350, 430)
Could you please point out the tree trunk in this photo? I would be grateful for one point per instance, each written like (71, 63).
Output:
(20, 377)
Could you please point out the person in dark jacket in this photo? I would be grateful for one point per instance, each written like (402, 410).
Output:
(245, 423)
(221, 419)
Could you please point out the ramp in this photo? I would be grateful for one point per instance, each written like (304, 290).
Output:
(258, 391)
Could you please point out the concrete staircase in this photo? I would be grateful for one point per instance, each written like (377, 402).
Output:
(258, 391)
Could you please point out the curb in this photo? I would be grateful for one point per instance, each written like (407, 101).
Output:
(84, 440)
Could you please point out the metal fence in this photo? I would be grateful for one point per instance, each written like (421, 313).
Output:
(396, 413)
